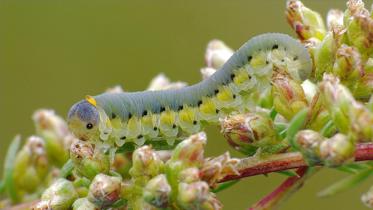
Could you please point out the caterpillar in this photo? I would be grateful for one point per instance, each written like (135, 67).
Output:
(171, 114)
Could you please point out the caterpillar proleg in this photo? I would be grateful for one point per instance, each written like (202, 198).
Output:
(171, 114)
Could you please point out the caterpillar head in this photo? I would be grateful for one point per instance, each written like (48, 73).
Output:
(83, 121)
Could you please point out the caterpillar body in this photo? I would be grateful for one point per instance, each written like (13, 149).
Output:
(171, 114)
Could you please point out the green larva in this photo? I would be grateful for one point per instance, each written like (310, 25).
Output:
(172, 114)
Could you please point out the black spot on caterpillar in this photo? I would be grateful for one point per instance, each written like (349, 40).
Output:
(136, 116)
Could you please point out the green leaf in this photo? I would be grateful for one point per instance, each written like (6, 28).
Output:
(353, 167)
(287, 173)
(346, 183)
(224, 186)
(296, 123)
(8, 180)
(2, 187)
(328, 129)
(67, 169)
(273, 113)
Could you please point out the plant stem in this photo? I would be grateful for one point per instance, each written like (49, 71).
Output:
(252, 166)
(289, 186)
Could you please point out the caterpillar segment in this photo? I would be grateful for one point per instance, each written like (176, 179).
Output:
(173, 114)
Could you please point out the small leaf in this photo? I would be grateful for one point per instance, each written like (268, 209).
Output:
(296, 123)
(224, 186)
(346, 183)
(67, 169)
(328, 129)
(353, 167)
(289, 173)
(2, 187)
(273, 113)
(8, 180)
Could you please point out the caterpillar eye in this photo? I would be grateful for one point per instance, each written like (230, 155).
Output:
(89, 126)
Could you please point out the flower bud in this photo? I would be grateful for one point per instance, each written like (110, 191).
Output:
(207, 72)
(337, 150)
(60, 195)
(288, 96)
(348, 66)
(217, 53)
(306, 23)
(367, 198)
(189, 175)
(84, 204)
(54, 130)
(145, 162)
(216, 168)
(309, 142)
(161, 82)
(324, 55)
(115, 89)
(192, 195)
(42, 205)
(248, 132)
(359, 27)
(89, 160)
(338, 100)
(31, 165)
(309, 89)
(190, 151)
(334, 19)
(104, 190)
(212, 203)
(157, 192)
(122, 164)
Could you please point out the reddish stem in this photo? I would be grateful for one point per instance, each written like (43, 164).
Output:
(279, 162)
(289, 185)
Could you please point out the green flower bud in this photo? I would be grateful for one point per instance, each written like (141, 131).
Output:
(306, 23)
(89, 160)
(157, 192)
(324, 55)
(288, 96)
(359, 27)
(216, 168)
(212, 203)
(217, 53)
(81, 185)
(122, 164)
(309, 89)
(145, 162)
(189, 175)
(248, 132)
(192, 195)
(104, 190)
(348, 66)
(308, 142)
(190, 151)
(337, 150)
(60, 195)
(31, 165)
(338, 100)
(84, 204)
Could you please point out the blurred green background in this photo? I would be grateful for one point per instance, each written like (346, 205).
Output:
(54, 52)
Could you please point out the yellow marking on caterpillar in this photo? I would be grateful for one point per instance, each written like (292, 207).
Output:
(225, 94)
(241, 76)
(208, 107)
(259, 60)
(187, 115)
(91, 100)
